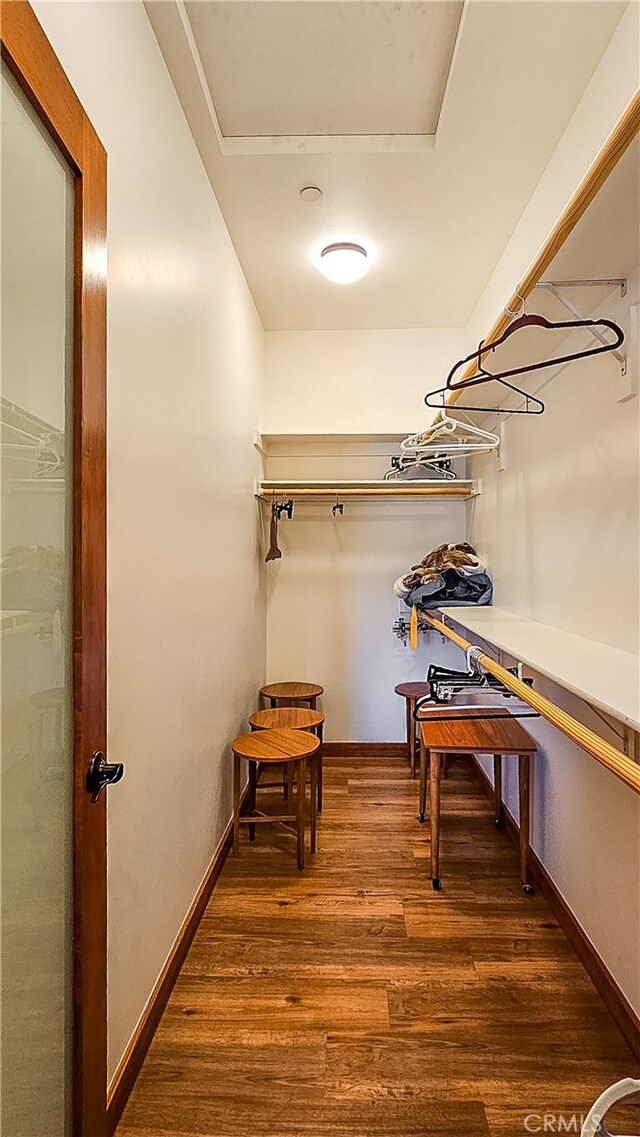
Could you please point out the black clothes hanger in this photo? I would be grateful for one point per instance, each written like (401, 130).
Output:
(533, 321)
(532, 405)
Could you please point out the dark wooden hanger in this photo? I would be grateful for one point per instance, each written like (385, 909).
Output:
(533, 321)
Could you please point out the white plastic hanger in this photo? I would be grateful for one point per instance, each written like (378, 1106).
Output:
(448, 437)
(594, 1122)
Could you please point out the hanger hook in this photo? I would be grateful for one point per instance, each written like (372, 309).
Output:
(521, 311)
(481, 369)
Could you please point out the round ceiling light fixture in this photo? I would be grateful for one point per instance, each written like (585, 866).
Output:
(343, 262)
(311, 193)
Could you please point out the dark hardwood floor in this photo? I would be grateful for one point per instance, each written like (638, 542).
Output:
(351, 1000)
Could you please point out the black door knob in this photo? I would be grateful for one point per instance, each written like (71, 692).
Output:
(102, 773)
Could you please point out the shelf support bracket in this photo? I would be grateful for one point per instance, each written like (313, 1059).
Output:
(554, 286)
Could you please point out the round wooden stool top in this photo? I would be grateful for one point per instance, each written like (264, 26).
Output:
(292, 691)
(413, 690)
(275, 745)
(283, 718)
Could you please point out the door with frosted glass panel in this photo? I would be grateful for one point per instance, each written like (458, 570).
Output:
(52, 565)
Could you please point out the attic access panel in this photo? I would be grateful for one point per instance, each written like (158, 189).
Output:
(324, 68)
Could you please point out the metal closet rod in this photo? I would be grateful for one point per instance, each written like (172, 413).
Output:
(614, 760)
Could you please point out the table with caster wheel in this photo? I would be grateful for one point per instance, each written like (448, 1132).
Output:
(477, 731)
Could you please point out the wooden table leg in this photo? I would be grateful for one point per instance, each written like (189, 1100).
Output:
(411, 727)
(236, 805)
(424, 769)
(497, 789)
(407, 715)
(524, 784)
(301, 784)
(435, 773)
(253, 770)
(321, 737)
(312, 703)
(313, 805)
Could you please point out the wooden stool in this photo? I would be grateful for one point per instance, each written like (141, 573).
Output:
(294, 718)
(274, 746)
(412, 692)
(478, 732)
(292, 693)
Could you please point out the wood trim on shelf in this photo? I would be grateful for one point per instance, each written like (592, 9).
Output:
(612, 759)
(615, 1001)
(606, 160)
(130, 1064)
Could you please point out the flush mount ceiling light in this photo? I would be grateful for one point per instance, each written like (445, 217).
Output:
(343, 262)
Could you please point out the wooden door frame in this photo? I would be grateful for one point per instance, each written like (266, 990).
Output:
(32, 61)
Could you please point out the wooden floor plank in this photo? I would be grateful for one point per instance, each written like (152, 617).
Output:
(296, 1004)
(330, 958)
(351, 1000)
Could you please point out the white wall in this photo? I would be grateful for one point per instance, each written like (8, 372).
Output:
(330, 608)
(334, 583)
(354, 382)
(560, 529)
(186, 612)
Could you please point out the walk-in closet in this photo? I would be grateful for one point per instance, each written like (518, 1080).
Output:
(320, 568)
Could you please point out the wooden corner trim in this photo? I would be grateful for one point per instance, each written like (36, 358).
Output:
(614, 999)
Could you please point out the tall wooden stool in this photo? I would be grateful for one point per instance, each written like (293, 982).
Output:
(411, 692)
(476, 731)
(294, 718)
(274, 746)
(290, 694)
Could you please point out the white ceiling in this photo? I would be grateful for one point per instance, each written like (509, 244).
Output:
(434, 212)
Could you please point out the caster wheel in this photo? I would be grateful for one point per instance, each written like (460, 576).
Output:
(422, 817)
(437, 884)
(497, 821)
(527, 889)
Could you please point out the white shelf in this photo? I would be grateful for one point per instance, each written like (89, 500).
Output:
(604, 676)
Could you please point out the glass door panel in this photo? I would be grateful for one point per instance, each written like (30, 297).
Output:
(36, 763)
